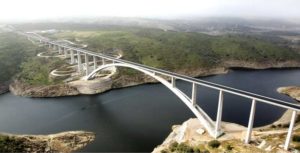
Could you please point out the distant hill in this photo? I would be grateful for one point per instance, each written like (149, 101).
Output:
(180, 50)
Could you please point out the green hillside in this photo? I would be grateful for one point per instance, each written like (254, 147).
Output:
(180, 50)
(14, 49)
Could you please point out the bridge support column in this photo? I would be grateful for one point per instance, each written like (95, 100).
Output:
(86, 59)
(103, 61)
(173, 82)
(95, 62)
(290, 132)
(79, 62)
(250, 124)
(72, 56)
(219, 114)
(49, 45)
(194, 94)
(65, 52)
(59, 50)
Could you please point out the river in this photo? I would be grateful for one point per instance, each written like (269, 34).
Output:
(139, 118)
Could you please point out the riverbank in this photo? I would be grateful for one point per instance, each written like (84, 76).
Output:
(292, 91)
(60, 142)
(22, 89)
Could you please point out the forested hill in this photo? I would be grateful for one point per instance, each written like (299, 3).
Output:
(179, 50)
(14, 50)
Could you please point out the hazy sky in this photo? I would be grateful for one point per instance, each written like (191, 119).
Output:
(44, 9)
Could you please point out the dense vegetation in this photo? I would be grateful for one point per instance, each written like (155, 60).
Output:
(186, 148)
(35, 71)
(14, 50)
(163, 49)
(181, 50)
(10, 144)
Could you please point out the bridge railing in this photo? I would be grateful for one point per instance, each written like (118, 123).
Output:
(198, 82)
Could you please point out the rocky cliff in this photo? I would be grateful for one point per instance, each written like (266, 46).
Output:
(26, 90)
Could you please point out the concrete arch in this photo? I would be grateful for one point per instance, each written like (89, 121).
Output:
(198, 112)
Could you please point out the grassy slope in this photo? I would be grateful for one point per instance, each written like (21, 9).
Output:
(181, 50)
(35, 71)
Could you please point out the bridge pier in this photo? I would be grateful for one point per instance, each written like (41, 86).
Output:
(54, 47)
(290, 132)
(72, 57)
(219, 114)
(86, 59)
(194, 94)
(65, 52)
(250, 124)
(95, 62)
(173, 82)
(49, 45)
(79, 62)
(103, 61)
(59, 50)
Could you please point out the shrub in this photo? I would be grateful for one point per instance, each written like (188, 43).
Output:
(214, 143)
(182, 147)
(173, 146)
(196, 150)
(296, 138)
(205, 151)
(10, 144)
(164, 151)
(297, 147)
(229, 147)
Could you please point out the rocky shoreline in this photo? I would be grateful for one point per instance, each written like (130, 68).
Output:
(60, 142)
(22, 89)
(292, 91)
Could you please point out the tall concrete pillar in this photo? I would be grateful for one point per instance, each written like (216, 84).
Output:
(59, 50)
(49, 45)
(194, 94)
(79, 62)
(86, 63)
(290, 131)
(103, 61)
(65, 52)
(72, 56)
(219, 114)
(95, 62)
(251, 120)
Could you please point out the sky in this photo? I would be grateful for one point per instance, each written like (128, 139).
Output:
(24, 10)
